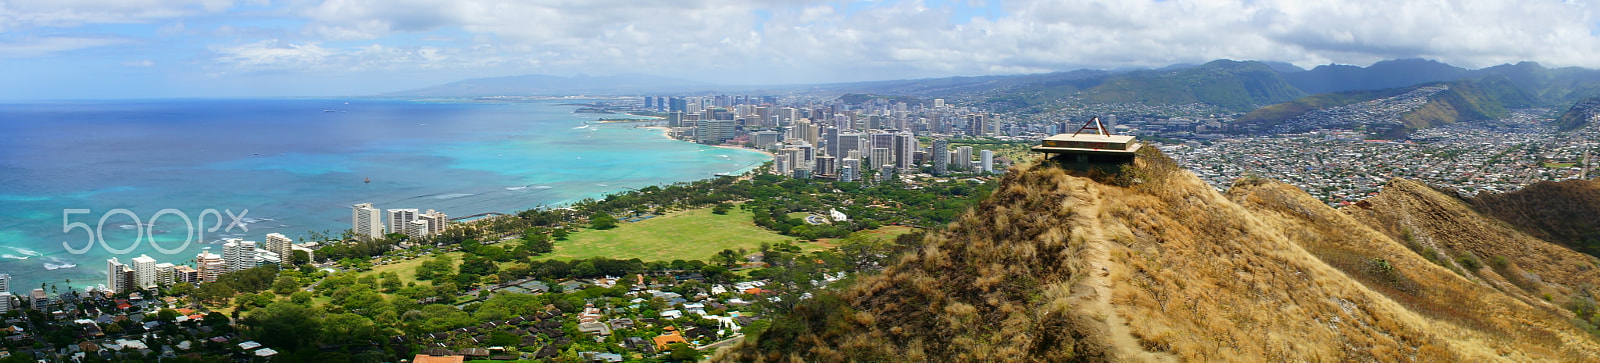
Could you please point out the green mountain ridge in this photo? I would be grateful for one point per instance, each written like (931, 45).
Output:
(1579, 115)
(1460, 101)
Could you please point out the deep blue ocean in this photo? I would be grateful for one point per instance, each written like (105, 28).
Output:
(296, 166)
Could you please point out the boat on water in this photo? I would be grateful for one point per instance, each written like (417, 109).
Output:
(369, 180)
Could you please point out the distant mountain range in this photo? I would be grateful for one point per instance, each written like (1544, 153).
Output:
(543, 85)
(1267, 93)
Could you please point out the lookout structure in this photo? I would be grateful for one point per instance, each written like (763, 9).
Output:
(1092, 142)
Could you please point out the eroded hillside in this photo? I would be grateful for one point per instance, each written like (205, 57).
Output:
(1153, 265)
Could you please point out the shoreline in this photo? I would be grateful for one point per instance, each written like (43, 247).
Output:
(667, 133)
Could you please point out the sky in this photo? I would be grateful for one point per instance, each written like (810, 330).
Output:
(106, 49)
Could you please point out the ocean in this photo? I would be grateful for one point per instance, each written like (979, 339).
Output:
(294, 165)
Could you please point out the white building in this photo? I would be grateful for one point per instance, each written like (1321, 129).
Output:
(239, 255)
(988, 160)
(436, 221)
(5, 282)
(210, 265)
(400, 218)
(119, 277)
(7, 302)
(165, 273)
(144, 272)
(366, 220)
(279, 244)
(963, 159)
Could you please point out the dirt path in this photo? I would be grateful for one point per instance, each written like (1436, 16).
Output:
(1097, 298)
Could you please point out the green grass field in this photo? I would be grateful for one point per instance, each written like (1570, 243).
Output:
(690, 235)
(408, 269)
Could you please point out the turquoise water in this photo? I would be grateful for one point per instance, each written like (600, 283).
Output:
(297, 168)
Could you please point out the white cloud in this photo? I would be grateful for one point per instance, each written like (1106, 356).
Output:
(23, 14)
(909, 38)
(41, 46)
(272, 54)
(806, 40)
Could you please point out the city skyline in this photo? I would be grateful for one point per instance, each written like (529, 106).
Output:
(182, 48)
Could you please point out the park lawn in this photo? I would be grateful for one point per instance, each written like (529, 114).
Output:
(690, 235)
(408, 269)
(1559, 165)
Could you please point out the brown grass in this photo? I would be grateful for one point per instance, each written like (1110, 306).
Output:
(1151, 264)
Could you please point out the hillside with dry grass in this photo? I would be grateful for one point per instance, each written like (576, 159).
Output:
(1150, 264)
(1565, 212)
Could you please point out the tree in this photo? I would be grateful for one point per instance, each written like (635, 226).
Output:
(683, 353)
(283, 324)
(214, 293)
(347, 328)
(602, 221)
(285, 285)
(721, 208)
(300, 297)
(391, 281)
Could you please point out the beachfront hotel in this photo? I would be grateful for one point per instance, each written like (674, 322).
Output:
(366, 220)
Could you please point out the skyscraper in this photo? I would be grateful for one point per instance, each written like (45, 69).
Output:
(210, 265)
(144, 272)
(437, 221)
(5, 282)
(963, 159)
(849, 169)
(399, 218)
(165, 273)
(119, 277)
(365, 220)
(988, 160)
(905, 144)
(847, 142)
(880, 158)
(239, 255)
(279, 244)
(941, 157)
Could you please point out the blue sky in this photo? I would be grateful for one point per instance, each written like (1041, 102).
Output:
(62, 49)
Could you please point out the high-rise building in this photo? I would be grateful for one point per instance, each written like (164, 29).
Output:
(963, 158)
(678, 104)
(826, 165)
(905, 144)
(184, 273)
(988, 160)
(5, 282)
(119, 277)
(848, 169)
(437, 221)
(209, 265)
(848, 142)
(400, 218)
(938, 103)
(712, 131)
(239, 255)
(416, 228)
(675, 119)
(941, 157)
(881, 157)
(366, 220)
(830, 139)
(165, 274)
(7, 301)
(144, 272)
(279, 244)
(765, 139)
